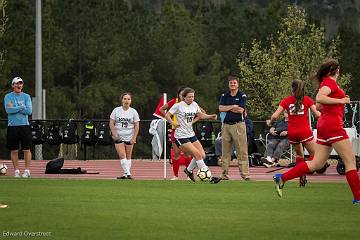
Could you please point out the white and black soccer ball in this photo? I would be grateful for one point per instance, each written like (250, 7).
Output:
(204, 174)
(3, 169)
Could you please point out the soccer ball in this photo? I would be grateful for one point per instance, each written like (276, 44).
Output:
(3, 169)
(204, 174)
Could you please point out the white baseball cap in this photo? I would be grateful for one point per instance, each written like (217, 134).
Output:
(16, 80)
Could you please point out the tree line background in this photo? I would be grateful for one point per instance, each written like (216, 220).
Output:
(93, 50)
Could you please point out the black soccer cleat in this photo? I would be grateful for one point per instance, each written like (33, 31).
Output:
(302, 181)
(130, 177)
(214, 180)
(224, 177)
(189, 174)
(323, 169)
(122, 177)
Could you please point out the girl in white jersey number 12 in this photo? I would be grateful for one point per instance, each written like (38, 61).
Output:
(124, 126)
(185, 138)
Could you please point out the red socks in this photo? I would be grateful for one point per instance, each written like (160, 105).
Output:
(297, 171)
(354, 183)
(175, 167)
(301, 169)
(187, 160)
(299, 160)
(176, 164)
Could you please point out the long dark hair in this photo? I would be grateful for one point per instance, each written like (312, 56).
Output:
(298, 89)
(327, 68)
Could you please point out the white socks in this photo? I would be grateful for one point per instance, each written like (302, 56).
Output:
(193, 164)
(123, 163)
(200, 163)
(126, 166)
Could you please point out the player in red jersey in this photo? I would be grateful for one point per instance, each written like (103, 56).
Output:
(299, 131)
(331, 133)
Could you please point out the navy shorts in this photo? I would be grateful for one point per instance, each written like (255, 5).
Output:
(18, 136)
(120, 141)
(180, 141)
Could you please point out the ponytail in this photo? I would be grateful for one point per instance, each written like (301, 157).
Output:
(298, 90)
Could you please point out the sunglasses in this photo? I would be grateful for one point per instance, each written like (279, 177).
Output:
(19, 83)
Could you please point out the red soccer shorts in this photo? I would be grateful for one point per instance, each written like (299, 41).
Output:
(300, 136)
(327, 137)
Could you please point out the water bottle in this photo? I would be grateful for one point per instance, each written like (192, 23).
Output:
(213, 137)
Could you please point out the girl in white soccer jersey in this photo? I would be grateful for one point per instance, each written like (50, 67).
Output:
(185, 138)
(124, 126)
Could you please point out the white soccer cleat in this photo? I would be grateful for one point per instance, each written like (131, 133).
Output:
(26, 174)
(17, 173)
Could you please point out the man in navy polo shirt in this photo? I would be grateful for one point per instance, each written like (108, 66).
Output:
(232, 106)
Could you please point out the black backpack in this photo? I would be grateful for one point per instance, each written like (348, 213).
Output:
(204, 132)
(53, 136)
(37, 133)
(89, 135)
(54, 166)
(69, 133)
(104, 136)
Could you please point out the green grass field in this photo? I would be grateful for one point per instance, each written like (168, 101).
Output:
(110, 209)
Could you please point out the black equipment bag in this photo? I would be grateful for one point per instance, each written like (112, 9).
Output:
(54, 166)
(89, 135)
(37, 132)
(53, 136)
(104, 136)
(69, 133)
(211, 159)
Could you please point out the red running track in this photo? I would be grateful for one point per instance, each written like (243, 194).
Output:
(153, 170)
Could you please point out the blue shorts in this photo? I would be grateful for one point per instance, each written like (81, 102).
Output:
(180, 141)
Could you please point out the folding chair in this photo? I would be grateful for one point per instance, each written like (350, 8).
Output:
(288, 154)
